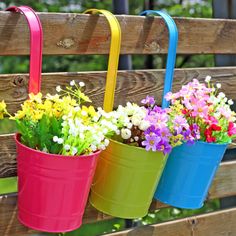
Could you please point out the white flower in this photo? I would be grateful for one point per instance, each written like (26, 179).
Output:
(230, 102)
(45, 149)
(55, 139)
(72, 83)
(81, 136)
(105, 130)
(106, 142)
(93, 147)
(136, 120)
(84, 113)
(102, 147)
(77, 109)
(118, 132)
(81, 84)
(58, 88)
(67, 147)
(74, 151)
(144, 125)
(125, 133)
(96, 118)
(208, 79)
(221, 95)
(129, 125)
(60, 141)
(136, 138)
(131, 140)
(218, 85)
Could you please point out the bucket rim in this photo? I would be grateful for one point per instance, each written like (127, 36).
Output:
(68, 157)
(134, 147)
(213, 144)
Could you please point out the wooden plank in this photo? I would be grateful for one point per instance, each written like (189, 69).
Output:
(10, 226)
(131, 85)
(69, 33)
(220, 223)
(225, 181)
(7, 156)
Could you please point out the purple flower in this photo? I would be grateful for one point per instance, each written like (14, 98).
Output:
(180, 123)
(188, 136)
(151, 142)
(164, 147)
(158, 109)
(195, 131)
(152, 131)
(149, 100)
(165, 133)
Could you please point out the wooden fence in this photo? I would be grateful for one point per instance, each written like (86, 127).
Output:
(85, 34)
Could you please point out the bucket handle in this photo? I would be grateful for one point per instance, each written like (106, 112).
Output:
(113, 57)
(36, 44)
(171, 57)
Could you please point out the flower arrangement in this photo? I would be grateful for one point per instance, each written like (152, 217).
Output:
(61, 124)
(150, 127)
(206, 110)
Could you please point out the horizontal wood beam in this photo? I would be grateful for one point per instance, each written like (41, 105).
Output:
(69, 33)
(10, 226)
(211, 224)
(131, 85)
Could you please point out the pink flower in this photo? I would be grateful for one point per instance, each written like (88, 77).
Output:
(224, 112)
(200, 109)
(171, 96)
(211, 120)
(231, 129)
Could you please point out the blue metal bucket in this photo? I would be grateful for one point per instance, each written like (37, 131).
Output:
(188, 174)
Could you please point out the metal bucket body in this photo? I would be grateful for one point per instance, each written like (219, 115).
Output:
(125, 180)
(188, 174)
(53, 189)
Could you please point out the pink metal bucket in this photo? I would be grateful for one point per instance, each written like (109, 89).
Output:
(52, 189)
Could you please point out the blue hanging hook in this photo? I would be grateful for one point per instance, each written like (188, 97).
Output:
(173, 42)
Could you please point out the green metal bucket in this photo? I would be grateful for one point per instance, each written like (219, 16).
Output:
(125, 180)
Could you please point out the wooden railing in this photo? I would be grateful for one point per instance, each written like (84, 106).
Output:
(83, 34)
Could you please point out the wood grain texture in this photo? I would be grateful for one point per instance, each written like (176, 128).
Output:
(131, 85)
(224, 181)
(69, 33)
(7, 156)
(10, 226)
(221, 223)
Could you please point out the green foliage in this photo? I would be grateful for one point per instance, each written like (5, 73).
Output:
(39, 135)
(176, 213)
(99, 228)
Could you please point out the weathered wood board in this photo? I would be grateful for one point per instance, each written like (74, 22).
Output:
(69, 33)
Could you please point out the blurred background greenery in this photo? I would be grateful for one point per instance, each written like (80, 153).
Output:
(185, 8)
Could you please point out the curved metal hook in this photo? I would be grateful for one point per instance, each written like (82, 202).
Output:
(173, 42)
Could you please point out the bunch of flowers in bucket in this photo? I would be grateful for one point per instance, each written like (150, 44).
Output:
(130, 168)
(151, 127)
(61, 124)
(58, 146)
(206, 109)
(208, 113)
